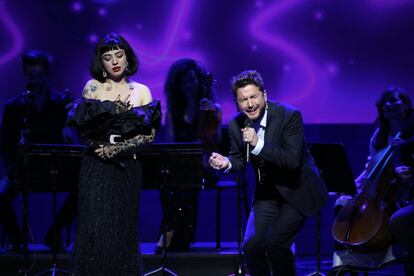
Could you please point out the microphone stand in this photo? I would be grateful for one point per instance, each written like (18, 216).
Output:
(24, 188)
(240, 269)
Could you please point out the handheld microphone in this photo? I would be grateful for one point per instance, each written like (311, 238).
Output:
(248, 123)
(28, 96)
(27, 93)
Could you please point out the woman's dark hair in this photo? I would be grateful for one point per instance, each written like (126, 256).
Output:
(35, 57)
(384, 125)
(172, 88)
(245, 78)
(110, 42)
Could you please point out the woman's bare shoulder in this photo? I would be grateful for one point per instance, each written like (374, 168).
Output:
(143, 93)
(139, 86)
(91, 89)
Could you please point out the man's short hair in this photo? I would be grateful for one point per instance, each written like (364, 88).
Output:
(35, 57)
(245, 78)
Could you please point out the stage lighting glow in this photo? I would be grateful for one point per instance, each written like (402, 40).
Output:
(93, 38)
(306, 80)
(107, 2)
(16, 41)
(102, 12)
(77, 6)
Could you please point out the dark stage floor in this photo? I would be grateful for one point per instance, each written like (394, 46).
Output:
(201, 260)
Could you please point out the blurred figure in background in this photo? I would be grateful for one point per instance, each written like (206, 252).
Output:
(37, 115)
(395, 116)
(192, 115)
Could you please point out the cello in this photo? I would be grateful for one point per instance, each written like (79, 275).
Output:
(363, 221)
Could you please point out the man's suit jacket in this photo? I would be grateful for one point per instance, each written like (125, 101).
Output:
(287, 162)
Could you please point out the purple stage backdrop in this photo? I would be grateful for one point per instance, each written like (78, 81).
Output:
(329, 58)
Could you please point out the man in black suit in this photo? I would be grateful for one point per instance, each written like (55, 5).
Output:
(288, 186)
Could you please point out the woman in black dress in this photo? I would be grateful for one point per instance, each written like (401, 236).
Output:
(116, 116)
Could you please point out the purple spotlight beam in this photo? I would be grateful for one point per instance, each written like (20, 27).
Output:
(257, 29)
(16, 36)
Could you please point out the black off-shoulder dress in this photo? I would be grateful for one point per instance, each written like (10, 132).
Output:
(107, 235)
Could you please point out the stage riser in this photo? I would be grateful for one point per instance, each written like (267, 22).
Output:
(184, 266)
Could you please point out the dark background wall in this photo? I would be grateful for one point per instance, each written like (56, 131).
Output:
(329, 58)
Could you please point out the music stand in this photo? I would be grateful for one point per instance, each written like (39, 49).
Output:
(45, 168)
(171, 165)
(334, 168)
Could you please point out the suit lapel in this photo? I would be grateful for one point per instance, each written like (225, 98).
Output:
(274, 121)
(239, 124)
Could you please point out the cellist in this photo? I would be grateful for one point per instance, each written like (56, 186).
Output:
(395, 115)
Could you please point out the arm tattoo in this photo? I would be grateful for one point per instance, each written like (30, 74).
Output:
(86, 93)
(93, 87)
(130, 144)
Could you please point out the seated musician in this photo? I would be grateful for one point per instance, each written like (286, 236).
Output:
(395, 115)
(35, 116)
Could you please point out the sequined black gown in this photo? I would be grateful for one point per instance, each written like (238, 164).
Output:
(107, 237)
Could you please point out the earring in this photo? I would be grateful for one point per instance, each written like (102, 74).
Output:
(104, 74)
(127, 69)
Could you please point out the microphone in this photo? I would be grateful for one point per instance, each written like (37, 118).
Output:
(248, 123)
(28, 95)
